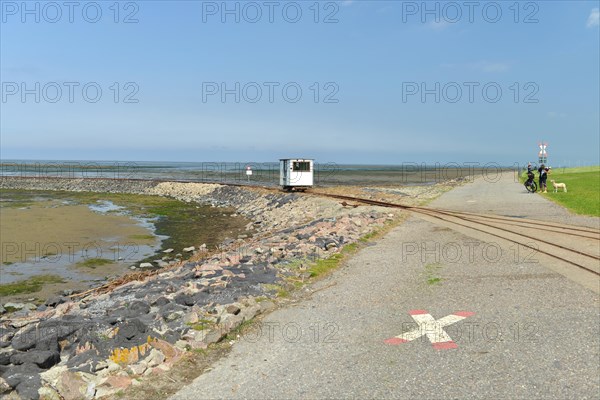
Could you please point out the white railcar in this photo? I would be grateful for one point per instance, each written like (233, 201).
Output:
(296, 173)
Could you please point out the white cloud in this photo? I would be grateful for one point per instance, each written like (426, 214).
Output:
(594, 18)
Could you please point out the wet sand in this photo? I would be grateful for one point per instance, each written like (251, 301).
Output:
(50, 228)
(49, 237)
(89, 238)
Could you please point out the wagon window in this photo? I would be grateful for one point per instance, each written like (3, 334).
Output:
(301, 166)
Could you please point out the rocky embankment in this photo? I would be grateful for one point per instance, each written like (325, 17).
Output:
(96, 344)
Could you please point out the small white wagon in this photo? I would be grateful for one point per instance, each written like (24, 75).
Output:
(296, 173)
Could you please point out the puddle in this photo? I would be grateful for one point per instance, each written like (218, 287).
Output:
(105, 206)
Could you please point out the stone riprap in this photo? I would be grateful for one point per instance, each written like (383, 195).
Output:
(96, 345)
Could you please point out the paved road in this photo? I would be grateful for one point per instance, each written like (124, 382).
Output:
(534, 334)
(504, 195)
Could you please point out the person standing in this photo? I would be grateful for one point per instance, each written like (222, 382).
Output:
(543, 171)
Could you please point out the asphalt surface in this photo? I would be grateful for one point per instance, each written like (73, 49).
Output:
(534, 332)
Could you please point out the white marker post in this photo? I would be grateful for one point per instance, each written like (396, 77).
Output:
(248, 172)
(543, 154)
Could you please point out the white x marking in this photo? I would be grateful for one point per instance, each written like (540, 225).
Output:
(432, 328)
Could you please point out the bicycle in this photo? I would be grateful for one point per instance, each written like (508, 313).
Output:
(530, 184)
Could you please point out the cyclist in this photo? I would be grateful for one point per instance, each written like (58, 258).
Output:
(529, 168)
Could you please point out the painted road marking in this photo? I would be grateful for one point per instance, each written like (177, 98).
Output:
(432, 328)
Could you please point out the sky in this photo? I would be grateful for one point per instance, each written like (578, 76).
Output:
(361, 82)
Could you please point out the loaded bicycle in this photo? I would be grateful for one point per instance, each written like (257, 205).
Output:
(530, 184)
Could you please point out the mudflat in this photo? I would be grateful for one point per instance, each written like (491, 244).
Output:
(66, 246)
(54, 241)
(51, 226)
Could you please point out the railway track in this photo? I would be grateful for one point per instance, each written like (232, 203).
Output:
(476, 222)
(513, 229)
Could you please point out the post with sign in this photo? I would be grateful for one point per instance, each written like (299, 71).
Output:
(248, 172)
(543, 154)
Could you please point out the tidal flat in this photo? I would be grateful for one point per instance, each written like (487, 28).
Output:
(82, 239)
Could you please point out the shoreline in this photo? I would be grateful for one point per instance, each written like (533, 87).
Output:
(127, 326)
(88, 239)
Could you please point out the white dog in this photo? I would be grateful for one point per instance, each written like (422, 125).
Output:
(558, 186)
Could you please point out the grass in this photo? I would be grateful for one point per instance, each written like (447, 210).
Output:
(94, 262)
(434, 281)
(281, 291)
(368, 237)
(583, 185)
(431, 271)
(141, 237)
(17, 204)
(325, 265)
(200, 325)
(243, 327)
(31, 285)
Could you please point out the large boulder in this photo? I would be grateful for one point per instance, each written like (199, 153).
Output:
(71, 386)
(25, 379)
(43, 359)
(5, 357)
(131, 333)
(45, 335)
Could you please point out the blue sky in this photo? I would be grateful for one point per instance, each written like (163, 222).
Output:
(370, 61)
